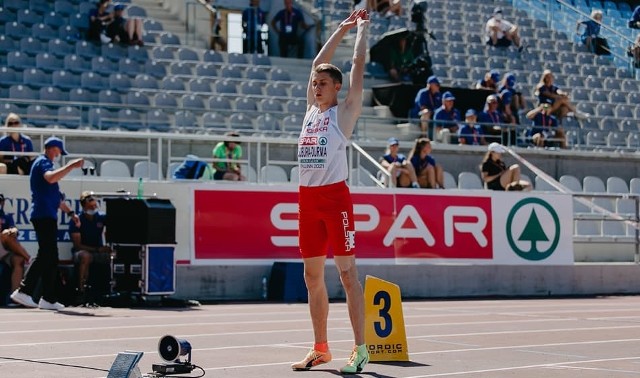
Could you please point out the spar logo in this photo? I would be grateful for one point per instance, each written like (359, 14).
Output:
(533, 229)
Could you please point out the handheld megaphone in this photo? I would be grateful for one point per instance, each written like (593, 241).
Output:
(171, 349)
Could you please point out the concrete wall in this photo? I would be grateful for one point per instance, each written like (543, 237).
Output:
(427, 281)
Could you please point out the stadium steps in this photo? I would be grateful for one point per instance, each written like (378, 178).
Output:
(170, 22)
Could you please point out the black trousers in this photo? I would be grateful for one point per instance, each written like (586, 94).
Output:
(44, 267)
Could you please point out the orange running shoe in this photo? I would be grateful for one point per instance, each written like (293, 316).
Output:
(313, 358)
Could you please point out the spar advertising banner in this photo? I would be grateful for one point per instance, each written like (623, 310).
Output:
(406, 225)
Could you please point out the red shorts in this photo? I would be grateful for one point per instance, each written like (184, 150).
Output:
(325, 218)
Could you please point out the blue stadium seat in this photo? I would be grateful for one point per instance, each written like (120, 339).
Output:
(271, 105)
(144, 81)
(167, 38)
(43, 32)
(138, 53)
(609, 124)
(276, 89)
(246, 104)
(6, 15)
(299, 91)
(69, 33)
(604, 110)
(192, 101)
(65, 79)
(30, 45)
(172, 83)
(256, 73)
(114, 51)
(206, 69)
(48, 62)
(213, 56)
(155, 69)
(9, 76)
(129, 67)
(296, 106)
(163, 52)
(80, 22)
(229, 71)
(60, 48)
(240, 121)
(79, 95)
(87, 49)
(64, 8)
(213, 120)
(237, 58)
(617, 97)
(76, 64)
(186, 54)
(202, 85)
(101, 118)
(278, 74)
(6, 45)
(186, 119)
(219, 102)
(260, 60)
(624, 111)
(16, 30)
(70, 116)
(52, 94)
(138, 99)
(268, 122)
(152, 25)
(119, 82)
(136, 11)
(109, 97)
(92, 81)
(251, 87)
(291, 122)
(34, 77)
(158, 120)
(180, 68)
(130, 119)
(39, 115)
(225, 87)
(165, 100)
(103, 66)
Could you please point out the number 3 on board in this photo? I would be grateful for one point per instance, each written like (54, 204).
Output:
(384, 322)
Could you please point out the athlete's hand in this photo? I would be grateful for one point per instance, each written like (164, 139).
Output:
(353, 18)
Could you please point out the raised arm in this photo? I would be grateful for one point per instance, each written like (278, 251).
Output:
(352, 106)
(328, 50)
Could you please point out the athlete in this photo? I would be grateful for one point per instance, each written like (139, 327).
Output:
(325, 207)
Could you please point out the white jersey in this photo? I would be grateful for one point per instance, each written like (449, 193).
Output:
(322, 149)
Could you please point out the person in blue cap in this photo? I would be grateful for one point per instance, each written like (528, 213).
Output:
(399, 167)
(489, 81)
(471, 133)
(446, 119)
(511, 100)
(46, 199)
(428, 99)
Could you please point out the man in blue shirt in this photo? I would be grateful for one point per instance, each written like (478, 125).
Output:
(87, 239)
(46, 199)
(286, 23)
(446, 119)
(471, 133)
(15, 142)
(12, 252)
(427, 100)
(252, 20)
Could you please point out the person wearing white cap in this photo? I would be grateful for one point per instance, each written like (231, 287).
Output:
(500, 32)
(496, 175)
(401, 171)
(46, 199)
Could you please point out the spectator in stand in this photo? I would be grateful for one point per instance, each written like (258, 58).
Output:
(495, 173)
(491, 119)
(286, 24)
(217, 39)
(634, 21)
(561, 106)
(401, 58)
(429, 173)
(99, 18)
(511, 100)
(427, 101)
(127, 31)
(545, 131)
(490, 81)
(12, 252)
(446, 119)
(634, 52)
(591, 35)
(253, 19)
(87, 238)
(471, 133)
(500, 32)
(230, 150)
(399, 168)
(15, 142)
(383, 7)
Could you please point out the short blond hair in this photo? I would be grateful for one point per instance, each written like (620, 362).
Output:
(11, 117)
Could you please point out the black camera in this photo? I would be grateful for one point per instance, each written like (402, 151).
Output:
(418, 11)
